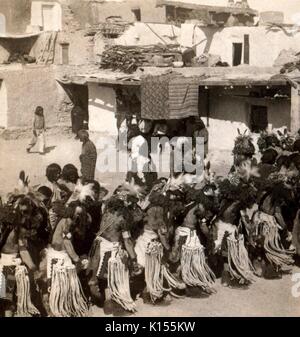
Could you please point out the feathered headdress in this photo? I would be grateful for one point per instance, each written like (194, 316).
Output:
(286, 140)
(243, 192)
(246, 171)
(82, 192)
(23, 190)
(129, 189)
(243, 144)
(267, 139)
(174, 184)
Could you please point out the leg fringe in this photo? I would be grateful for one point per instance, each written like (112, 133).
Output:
(25, 308)
(172, 281)
(194, 269)
(275, 253)
(239, 263)
(118, 283)
(153, 272)
(66, 296)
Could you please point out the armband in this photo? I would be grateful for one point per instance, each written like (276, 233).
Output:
(163, 230)
(126, 235)
(67, 236)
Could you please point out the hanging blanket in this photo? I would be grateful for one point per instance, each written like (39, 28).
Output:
(169, 96)
(183, 98)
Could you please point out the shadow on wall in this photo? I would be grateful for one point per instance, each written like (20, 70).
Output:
(209, 33)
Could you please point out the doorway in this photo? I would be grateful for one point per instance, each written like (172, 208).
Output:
(3, 105)
(137, 14)
(237, 51)
(48, 17)
(258, 118)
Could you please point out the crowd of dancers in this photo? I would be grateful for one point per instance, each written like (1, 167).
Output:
(68, 244)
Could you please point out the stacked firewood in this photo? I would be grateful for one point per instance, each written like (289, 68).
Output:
(129, 58)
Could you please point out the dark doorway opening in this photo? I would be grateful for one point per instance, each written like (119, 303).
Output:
(79, 109)
(258, 118)
(246, 49)
(237, 51)
(65, 53)
(137, 14)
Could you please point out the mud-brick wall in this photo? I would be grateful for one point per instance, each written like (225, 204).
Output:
(28, 87)
(17, 14)
(93, 12)
(230, 111)
(81, 47)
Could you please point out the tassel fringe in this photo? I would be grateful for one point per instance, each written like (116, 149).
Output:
(118, 282)
(240, 266)
(275, 253)
(25, 308)
(153, 272)
(66, 296)
(194, 269)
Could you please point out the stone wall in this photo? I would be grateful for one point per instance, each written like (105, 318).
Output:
(30, 86)
(17, 15)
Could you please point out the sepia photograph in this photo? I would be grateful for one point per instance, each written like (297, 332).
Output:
(149, 161)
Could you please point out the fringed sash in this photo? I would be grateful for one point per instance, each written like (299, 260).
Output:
(156, 273)
(118, 281)
(117, 272)
(267, 226)
(25, 308)
(240, 267)
(194, 268)
(66, 296)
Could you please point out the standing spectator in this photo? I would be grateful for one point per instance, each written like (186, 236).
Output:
(39, 128)
(79, 120)
(88, 157)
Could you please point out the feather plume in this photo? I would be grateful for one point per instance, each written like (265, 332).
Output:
(243, 145)
(246, 171)
(81, 192)
(130, 188)
(23, 184)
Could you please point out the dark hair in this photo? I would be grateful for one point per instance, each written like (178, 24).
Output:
(295, 158)
(83, 133)
(39, 111)
(45, 191)
(283, 161)
(52, 171)
(70, 173)
(269, 157)
(114, 204)
(272, 140)
(296, 146)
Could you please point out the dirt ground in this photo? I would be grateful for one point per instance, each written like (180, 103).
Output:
(263, 298)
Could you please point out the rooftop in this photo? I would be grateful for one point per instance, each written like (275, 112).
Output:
(210, 76)
(215, 9)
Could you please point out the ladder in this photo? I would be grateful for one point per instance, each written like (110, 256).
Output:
(48, 51)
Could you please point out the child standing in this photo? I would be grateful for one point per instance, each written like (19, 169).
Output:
(38, 131)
